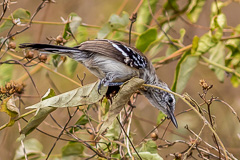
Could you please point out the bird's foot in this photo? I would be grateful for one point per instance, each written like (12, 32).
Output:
(107, 83)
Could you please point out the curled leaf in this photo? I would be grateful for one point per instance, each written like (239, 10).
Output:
(8, 106)
(120, 100)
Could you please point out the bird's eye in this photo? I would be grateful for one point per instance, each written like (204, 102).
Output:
(170, 100)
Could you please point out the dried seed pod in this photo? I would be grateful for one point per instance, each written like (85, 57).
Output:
(42, 58)
(12, 45)
(8, 86)
(59, 39)
(29, 55)
(12, 91)
(3, 90)
(20, 89)
(154, 136)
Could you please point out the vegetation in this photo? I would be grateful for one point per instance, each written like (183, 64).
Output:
(78, 122)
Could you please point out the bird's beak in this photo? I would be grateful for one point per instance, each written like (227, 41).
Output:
(172, 117)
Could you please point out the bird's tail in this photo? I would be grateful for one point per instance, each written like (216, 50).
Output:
(48, 48)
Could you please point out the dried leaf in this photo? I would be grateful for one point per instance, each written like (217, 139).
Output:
(85, 95)
(120, 100)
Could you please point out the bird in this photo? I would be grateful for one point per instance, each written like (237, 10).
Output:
(114, 63)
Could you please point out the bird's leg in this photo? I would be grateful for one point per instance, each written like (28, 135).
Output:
(107, 81)
(115, 83)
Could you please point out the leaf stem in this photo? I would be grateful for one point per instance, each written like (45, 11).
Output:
(63, 23)
(23, 115)
(44, 66)
(221, 66)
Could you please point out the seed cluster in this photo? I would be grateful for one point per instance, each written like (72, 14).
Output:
(11, 88)
(204, 85)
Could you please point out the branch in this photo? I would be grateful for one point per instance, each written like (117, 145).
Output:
(221, 66)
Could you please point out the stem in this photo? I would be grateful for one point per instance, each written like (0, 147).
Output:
(44, 66)
(23, 115)
(221, 66)
(183, 98)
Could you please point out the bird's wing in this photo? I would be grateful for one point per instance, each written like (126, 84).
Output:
(116, 50)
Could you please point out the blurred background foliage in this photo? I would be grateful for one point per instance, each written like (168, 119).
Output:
(202, 42)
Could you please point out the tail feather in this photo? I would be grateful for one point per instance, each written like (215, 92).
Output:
(50, 48)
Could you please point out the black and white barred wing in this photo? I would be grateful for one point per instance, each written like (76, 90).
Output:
(116, 50)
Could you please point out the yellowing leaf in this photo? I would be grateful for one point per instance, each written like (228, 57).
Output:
(8, 105)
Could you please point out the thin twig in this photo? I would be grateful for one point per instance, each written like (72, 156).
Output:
(159, 25)
(195, 141)
(63, 129)
(4, 6)
(128, 139)
(133, 19)
(27, 27)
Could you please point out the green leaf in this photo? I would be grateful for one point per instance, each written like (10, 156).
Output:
(171, 49)
(85, 95)
(119, 101)
(105, 106)
(17, 14)
(195, 8)
(113, 131)
(70, 66)
(81, 121)
(148, 156)
(217, 55)
(184, 69)
(144, 17)
(75, 22)
(182, 34)
(235, 81)
(104, 31)
(6, 71)
(194, 45)
(216, 9)
(81, 36)
(161, 116)
(73, 149)
(40, 115)
(50, 93)
(37, 119)
(205, 43)
(33, 149)
(171, 7)
(217, 25)
(56, 59)
(146, 38)
(118, 36)
(148, 151)
(149, 146)
(116, 21)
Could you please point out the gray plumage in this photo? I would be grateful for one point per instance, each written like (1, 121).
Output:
(114, 62)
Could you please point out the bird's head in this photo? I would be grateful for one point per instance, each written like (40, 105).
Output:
(162, 100)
